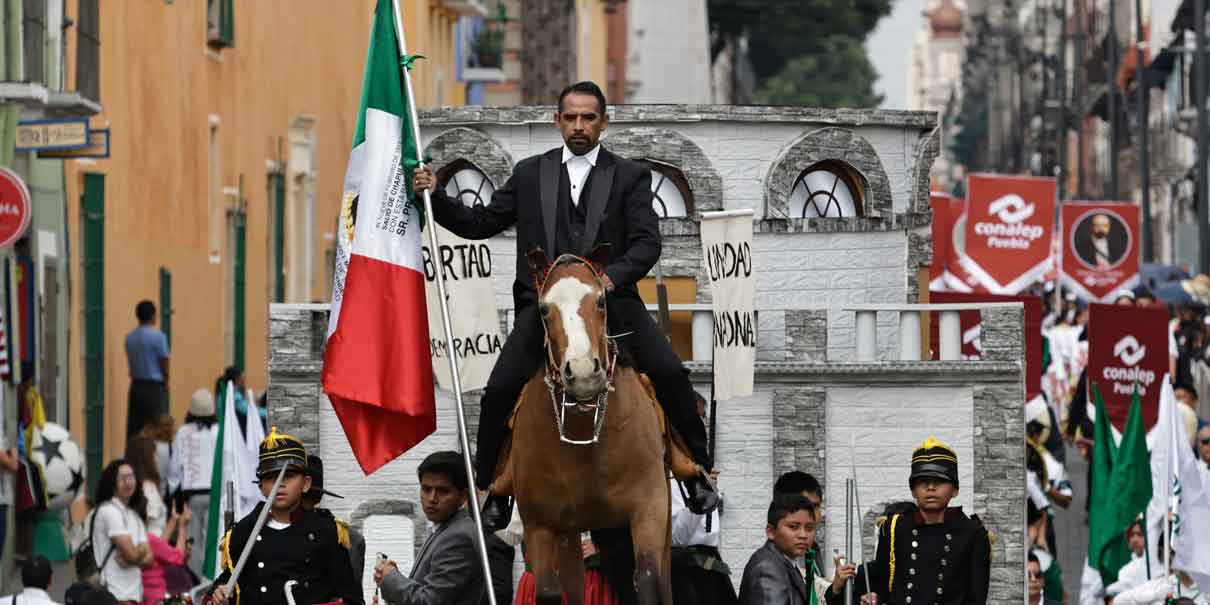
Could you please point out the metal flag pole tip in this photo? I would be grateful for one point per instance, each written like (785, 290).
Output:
(464, 441)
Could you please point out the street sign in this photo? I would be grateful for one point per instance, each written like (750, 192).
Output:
(15, 207)
(41, 135)
(98, 147)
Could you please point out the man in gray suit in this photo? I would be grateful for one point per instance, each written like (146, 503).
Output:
(775, 574)
(446, 570)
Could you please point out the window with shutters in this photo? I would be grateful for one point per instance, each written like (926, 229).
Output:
(220, 23)
(88, 50)
(34, 42)
(277, 236)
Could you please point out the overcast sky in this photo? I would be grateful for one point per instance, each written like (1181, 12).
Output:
(889, 46)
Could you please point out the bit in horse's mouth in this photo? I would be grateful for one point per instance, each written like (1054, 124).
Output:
(585, 406)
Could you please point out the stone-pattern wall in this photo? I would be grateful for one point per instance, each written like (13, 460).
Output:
(806, 335)
(734, 157)
(473, 146)
(800, 417)
(670, 147)
(824, 144)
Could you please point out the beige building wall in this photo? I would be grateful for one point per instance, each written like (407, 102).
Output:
(166, 94)
(592, 31)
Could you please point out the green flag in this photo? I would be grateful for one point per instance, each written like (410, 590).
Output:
(214, 515)
(1121, 488)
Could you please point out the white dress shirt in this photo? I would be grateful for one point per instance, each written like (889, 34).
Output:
(689, 529)
(578, 167)
(1131, 575)
(1157, 590)
(31, 596)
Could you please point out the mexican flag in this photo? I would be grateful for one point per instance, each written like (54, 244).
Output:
(1121, 488)
(232, 482)
(377, 366)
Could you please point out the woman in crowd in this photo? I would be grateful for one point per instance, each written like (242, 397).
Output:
(161, 431)
(235, 376)
(166, 555)
(141, 454)
(119, 534)
(192, 461)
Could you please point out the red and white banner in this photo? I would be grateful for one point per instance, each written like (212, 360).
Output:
(1009, 222)
(943, 225)
(1127, 347)
(949, 245)
(972, 331)
(1100, 248)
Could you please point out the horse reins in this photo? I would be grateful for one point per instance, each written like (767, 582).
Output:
(558, 394)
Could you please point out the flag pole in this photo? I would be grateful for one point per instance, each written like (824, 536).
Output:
(464, 441)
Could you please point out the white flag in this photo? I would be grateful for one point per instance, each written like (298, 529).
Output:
(727, 247)
(1161, 437)
(254, 431)
(1191, 525)
(239, 467)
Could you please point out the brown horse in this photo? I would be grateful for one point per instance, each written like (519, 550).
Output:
(589, 447)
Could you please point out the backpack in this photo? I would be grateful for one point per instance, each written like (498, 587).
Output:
(85, 556)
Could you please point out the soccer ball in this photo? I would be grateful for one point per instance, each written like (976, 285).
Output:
(62, 463)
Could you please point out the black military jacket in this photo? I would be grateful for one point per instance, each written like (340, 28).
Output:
(919, 564)
(310, 551)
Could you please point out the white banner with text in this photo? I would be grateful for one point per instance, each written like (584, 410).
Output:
(727, 250)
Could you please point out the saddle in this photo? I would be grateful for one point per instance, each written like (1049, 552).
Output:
(676, 454)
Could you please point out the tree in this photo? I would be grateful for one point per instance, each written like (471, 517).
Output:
(840, 75)
(781, 31)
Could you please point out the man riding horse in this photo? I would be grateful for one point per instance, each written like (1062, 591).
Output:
(569, 200)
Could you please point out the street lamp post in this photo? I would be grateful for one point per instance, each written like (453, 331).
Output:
(1111, 80)
(1140, 80)
(1199, 97)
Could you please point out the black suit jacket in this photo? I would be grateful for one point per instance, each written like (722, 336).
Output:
(1088, 253)
(771, 579)
(619, 214)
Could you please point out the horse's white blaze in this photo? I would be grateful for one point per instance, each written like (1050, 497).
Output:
(567, 294)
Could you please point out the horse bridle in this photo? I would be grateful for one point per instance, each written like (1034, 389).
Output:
(558, 394)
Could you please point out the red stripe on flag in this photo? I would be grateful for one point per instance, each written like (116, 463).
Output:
(377, 366)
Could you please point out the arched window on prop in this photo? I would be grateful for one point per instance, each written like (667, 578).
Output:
(461, 179)
(831, 189)
(671, 197)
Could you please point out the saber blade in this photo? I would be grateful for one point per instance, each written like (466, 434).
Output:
(857, 503)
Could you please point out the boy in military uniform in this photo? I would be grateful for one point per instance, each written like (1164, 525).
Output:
(346, 534)
(295, 544)
(936, 554)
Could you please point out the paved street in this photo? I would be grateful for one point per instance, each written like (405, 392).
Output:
(1071, 526)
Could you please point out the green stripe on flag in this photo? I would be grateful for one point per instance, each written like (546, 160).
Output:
(214, 516)
(383, 88)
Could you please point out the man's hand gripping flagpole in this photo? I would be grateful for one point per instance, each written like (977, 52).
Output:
(463, 440)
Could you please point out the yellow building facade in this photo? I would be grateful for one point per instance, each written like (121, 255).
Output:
(230, 126)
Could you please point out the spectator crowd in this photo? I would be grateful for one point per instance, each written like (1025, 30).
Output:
(151, 511)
